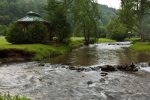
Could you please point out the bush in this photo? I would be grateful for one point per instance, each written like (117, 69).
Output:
(117, 31)
(36, 33)
(15, 34)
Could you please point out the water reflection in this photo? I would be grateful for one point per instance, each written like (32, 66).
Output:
(101, 54)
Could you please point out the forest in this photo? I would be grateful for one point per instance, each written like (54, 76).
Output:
(12, 10)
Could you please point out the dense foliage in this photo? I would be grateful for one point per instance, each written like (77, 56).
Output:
(36, 33)
(133, 14)
(57, 15)
(12, 10)
(117, 30)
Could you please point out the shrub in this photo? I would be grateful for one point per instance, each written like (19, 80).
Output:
(15, 34)
(35, 33)
(117, 31)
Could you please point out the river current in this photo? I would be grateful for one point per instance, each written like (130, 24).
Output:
(52, 80)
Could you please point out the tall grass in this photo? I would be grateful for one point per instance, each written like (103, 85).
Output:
(9, 97)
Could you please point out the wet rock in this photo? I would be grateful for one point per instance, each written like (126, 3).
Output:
(72, 68)
(80, 69)
(108, 68)
(89, 82)
(131, 67)
(41, 64)
(111, 44)
(102, 80)
(87, 69)
(104, 74)
(95, 68)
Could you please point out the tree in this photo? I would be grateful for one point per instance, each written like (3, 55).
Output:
(132, 14)
(57, 15)
(86, 18)
(116, 30)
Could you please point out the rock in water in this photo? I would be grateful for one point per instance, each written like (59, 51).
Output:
(108, 68)
(89, 82)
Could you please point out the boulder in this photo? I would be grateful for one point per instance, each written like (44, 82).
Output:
(108, 68)
(131, 67)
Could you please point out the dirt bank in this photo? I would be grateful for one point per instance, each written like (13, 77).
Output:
(15, 55)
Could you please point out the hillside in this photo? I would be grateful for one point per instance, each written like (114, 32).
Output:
(107, 13)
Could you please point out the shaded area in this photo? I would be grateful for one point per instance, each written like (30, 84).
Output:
(12, 55)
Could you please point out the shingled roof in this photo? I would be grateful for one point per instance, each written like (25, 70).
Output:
(32, 17)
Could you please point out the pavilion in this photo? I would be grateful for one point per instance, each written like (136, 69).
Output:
(32, 18)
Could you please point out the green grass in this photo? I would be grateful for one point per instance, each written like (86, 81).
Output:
(141, 46)
(133, 39)
(3, 41)
(41, 50)
(76, 42)
(103, 40)
(9, 97)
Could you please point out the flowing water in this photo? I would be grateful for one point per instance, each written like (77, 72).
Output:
(56, 82)
(102, 54)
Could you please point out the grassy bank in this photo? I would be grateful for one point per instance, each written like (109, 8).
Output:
(9, 97)
(42, 51)
(141, 46)
(103, 40)
(133, 39)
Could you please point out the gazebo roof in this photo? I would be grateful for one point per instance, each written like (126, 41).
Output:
(32, 17)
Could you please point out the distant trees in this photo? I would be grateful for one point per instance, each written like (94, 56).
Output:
(132, 14)
(57, 15)
(117, 30)
(11, 10)
(86, 18)
(69, 16)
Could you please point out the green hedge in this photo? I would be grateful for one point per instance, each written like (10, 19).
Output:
(34, 33)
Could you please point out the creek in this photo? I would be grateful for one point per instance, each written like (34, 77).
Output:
(53, 80)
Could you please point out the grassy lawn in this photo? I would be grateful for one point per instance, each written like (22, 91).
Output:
(133, 39)
(42, 51)
(103, 40)
(76, 42)
(141, 46)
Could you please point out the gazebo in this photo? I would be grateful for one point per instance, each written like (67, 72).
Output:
(31, 18)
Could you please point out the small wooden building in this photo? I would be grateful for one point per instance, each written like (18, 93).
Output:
(33, 17)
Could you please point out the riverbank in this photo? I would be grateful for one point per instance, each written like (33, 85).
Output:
(34, 51)
(138, 45)
(27, 52)
(141, 46)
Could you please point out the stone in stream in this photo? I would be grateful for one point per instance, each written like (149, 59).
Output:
(149, 64)
(41, 64)
(108, 68)
(78, 69)
(131, 67)
(89, 82)
(104, 74)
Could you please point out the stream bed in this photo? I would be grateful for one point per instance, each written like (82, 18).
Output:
(53, 80)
